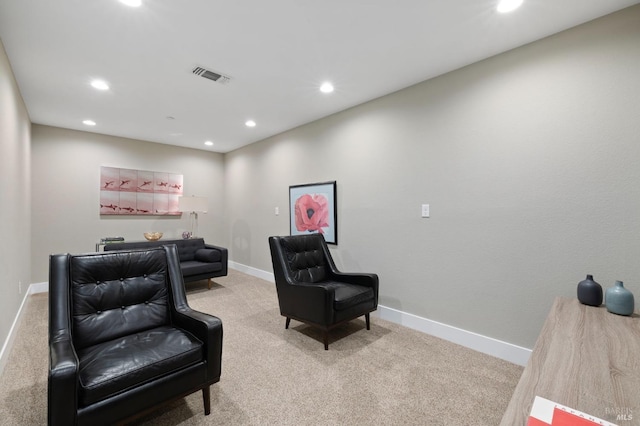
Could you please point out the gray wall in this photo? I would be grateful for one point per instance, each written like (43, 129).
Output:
(15, 172)
(66, 181)
(529, 160)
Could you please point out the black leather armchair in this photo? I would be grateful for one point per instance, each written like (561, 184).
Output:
(122, 338)
(312, 290)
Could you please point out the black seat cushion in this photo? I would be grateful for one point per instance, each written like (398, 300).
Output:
(192, 267)
(348, 295)
(113, 366)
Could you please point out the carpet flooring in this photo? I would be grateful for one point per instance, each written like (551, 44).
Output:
(389, 375)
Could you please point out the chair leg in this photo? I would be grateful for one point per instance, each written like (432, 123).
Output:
(206, 398)
(286, 324)
(209, 283)
(325, 338)
(366, 317)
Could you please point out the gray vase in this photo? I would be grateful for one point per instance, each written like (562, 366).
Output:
(590, 292)
(619, 300)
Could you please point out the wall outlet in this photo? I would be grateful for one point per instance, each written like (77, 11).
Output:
(425, 210)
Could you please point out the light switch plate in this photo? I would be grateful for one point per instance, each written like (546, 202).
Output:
(425, 210)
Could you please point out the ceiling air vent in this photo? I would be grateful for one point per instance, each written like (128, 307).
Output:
(211, 75)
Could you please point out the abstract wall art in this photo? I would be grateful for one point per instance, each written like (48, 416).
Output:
(139, 192)
(312, 209)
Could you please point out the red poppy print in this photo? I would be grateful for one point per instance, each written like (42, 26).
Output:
(312, 213)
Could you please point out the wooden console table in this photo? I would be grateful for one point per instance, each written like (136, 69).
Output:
(585, 358)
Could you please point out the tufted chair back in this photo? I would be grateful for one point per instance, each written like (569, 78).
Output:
(117, 294)
(306, 258)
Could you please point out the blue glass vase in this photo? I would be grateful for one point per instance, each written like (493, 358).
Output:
(619, 300)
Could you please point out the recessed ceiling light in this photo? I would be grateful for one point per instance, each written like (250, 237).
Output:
(250, 123)
(326, 87)
(100, 85)
(208, 143)
(89, 122)
(505, 6)
(132, 3)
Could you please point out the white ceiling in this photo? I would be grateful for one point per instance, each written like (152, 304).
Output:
(277, 53)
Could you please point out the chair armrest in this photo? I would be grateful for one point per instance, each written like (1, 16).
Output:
(214, 247)
(307, 300)
(363, 279)
(64, 367)
(63, 377)
(358, 278)
(205, 327)
(208, 329)
(224, 256)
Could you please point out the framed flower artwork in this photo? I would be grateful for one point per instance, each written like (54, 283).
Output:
(312, 209)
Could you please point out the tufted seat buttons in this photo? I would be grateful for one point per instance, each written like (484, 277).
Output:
(146, 302)
(98, 312)
(121, 279)
(123, 307)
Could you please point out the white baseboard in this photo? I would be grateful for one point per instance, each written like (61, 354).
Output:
(487, 345)
(255, 272)
(39, 288)
(8, 343)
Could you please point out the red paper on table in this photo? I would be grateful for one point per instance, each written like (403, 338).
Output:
(549, 413)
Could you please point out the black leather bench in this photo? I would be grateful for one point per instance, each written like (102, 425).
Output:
(198, 260)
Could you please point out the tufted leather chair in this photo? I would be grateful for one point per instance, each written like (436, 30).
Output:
(311, 289)
(122, 338)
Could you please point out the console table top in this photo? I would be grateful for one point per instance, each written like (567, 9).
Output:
(585, 358)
